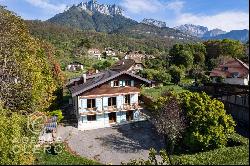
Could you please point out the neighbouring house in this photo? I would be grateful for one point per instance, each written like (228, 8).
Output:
(138, 56)
(233, 71)
(110, 52)
(75, 66)
(107, 98)
(95, 53)
(130, 65)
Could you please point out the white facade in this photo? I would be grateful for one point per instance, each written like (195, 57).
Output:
(95, 53)
(235, 81)
(74, 67)
(102, 111)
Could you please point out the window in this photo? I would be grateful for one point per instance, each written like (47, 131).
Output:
(116, 83)
(91, 117)
(90, 103)
(127, 83)
(111, 101)
(225, 68)
(127, 99)
(235, 74)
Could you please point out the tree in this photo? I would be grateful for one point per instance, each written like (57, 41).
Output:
(102, 65)
(170, 121)
(27, 80)
(208, 124)
(181, 55)
(176, 74)
(16, 144)
(157, 75)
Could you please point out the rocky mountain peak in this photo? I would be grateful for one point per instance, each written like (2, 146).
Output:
(94, 6)
(154, 22)
(194, 30)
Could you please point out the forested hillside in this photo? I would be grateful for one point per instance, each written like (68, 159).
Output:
(72, 44)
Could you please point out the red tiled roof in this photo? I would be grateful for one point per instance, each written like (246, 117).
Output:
(233, 65)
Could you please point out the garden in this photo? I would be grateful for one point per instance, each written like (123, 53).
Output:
(196, 130)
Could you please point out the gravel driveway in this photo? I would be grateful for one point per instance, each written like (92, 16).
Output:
(113, 145)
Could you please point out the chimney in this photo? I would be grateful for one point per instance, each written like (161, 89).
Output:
(84, 76)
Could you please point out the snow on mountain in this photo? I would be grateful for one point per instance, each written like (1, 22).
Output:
(157, 23)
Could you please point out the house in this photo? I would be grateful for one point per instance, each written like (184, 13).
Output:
(95, 53)
(135, 55)
(110, 52)
(233, 70)
(108, 98)
(75, 66)
(129, 65)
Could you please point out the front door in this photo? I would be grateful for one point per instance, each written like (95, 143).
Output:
(112, 117)
(129, 115)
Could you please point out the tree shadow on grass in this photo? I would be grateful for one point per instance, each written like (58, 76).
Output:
(134, 137)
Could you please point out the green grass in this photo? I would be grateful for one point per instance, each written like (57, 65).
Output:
(157, 91)
(63, 158)
(235, 155)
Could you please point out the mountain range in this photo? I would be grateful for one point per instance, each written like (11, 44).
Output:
(203, 32)
(110, 19)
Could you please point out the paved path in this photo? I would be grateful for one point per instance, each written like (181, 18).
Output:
(113, 145)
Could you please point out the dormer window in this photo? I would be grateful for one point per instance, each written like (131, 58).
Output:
(127, 83)
(116, 83)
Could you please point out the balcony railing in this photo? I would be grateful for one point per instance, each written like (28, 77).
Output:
(124, 107)
(131, 106)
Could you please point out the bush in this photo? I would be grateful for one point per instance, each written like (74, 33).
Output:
(208, 124)
(57, 113)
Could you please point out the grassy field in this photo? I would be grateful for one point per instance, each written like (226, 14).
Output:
(157, 91)
(65, 157)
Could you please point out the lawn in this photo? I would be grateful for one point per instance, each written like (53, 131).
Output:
(65, 157)
(235, 154)
(157, 91)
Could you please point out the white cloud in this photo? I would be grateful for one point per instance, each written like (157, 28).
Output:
(176, 5)
(152, 6)
(45, 4)
(227, 20)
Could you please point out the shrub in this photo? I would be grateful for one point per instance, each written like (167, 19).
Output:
(57, 113)
(208, 124)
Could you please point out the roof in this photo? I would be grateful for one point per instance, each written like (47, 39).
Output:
(76, 63)
(123, 65)
(233, 65)
(100, 79)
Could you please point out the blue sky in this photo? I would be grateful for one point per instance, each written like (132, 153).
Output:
(224, 14)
